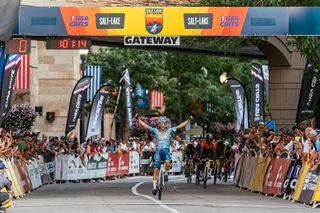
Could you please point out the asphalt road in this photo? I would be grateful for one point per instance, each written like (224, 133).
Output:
(134, 195)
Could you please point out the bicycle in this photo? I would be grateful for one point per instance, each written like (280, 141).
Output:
(189, 170)
(160, 181)
(206, 171)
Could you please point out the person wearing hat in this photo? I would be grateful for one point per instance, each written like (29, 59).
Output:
(5, 197)
(162, 135)
(270, 122)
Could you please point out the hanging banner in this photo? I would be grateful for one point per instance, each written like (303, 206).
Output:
(239, 99)
(96, 111)
(126, 80)
(257, 94)
(2, 61)
(76, 102)
(246, 114)
(8, 78)
(310, 185)
(308, 100)
(265, 71)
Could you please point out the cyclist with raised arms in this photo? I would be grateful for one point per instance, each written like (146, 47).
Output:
(162, 135)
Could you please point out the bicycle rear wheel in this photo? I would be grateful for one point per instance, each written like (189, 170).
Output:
(160, 185)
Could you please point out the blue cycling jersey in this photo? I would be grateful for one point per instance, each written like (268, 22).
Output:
(163, 138)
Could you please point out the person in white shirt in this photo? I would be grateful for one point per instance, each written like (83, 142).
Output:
(123, 146)
(133, 144)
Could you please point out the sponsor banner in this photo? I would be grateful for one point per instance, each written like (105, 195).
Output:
(308, 100)
(125, 79)
(164, 21)
(260, 172)
(257, 94)
(290, 183)
(310, 185)
(97, 110)
(236, 162)
(248, 171)
(32, 175)
(97, 166)
(118, 164)
(58, 167)
(303, 173)
(134, 162)
(275, 176)
(239, 99)
(24, 179)
(176, 162)
(77, 100)
(77, 168)
(45, 177)
(151, 40)
(8, 78)
(146, 159)
(238, 172)
(11, 176)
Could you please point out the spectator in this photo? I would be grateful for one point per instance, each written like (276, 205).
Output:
(270, 122)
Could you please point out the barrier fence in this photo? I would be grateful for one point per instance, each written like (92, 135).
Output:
(280, 177)
(26, 177)
(277, 176)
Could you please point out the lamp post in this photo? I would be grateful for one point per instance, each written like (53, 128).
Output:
(83, 57)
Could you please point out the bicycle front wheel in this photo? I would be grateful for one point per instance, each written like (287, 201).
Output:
(205, 177)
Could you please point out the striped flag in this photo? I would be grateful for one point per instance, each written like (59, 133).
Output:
(23, 75)
(96, 73)
(156, 99)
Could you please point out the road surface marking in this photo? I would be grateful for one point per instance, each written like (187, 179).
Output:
(135, 192)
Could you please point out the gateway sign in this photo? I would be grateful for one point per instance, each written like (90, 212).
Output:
(152, 40)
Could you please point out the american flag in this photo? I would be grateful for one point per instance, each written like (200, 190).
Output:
(96, 73)
(23, 75)
(156, 99)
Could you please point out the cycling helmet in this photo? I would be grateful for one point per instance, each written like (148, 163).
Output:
(162, 120)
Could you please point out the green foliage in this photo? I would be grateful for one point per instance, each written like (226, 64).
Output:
(182, 77)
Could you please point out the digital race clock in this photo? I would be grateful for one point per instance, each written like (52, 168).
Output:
(68, 43)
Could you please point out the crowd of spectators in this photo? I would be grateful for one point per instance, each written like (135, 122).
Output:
(298, 142)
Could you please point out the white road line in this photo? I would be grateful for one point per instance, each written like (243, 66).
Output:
(163, 205)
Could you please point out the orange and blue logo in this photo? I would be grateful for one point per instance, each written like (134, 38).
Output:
(154, 20)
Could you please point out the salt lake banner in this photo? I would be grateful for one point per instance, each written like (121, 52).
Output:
(77, 101)
(257, 93)
(97, 109)
(309, 98)
(8, 77)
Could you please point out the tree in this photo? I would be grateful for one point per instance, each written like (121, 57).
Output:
(184, 79)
